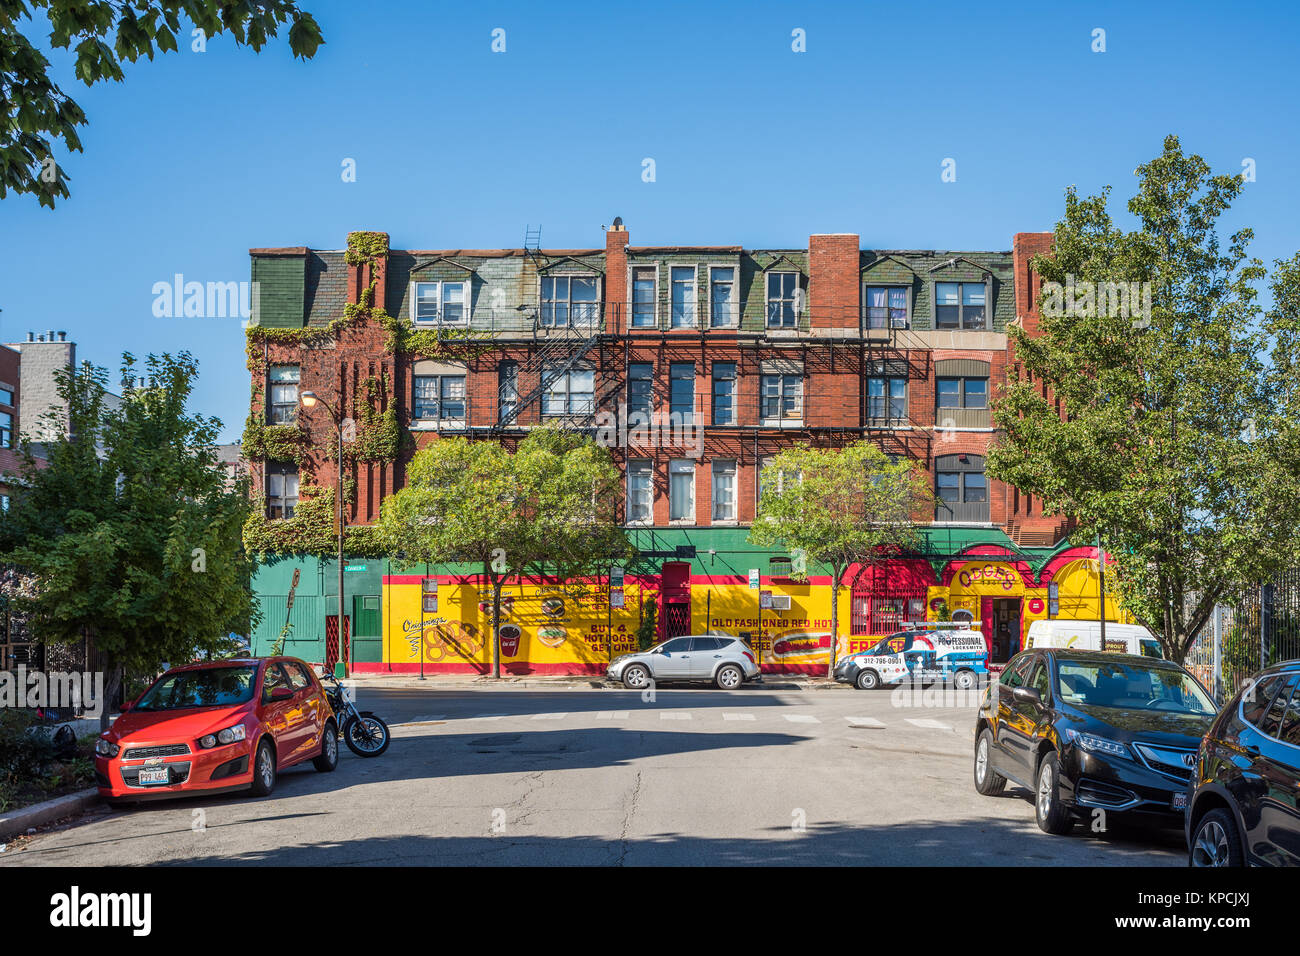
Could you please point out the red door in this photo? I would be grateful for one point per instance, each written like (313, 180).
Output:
(675, 600)
(332, 655)
(986, 625)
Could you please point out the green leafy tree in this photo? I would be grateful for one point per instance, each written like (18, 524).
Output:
(840, 506)
(546, 508)
(104, 34)
(129, 533)
(1172, 441)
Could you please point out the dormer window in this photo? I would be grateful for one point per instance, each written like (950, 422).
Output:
(959, 305)
(439, 303)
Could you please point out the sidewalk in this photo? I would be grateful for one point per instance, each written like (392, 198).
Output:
(435, 682)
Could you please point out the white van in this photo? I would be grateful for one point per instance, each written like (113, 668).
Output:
(1086, 636)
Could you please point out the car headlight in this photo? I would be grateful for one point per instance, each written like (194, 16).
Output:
(222, 737)
(1094, 744)
(106, 748)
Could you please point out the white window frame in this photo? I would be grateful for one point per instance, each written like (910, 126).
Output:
(728, 468)
(441, 421)
(780, 421)
(642, 467)
(569, 322)
(439, 298)
(282, 471)
(681, 466)
(867, 284)
(567, 379)
(767, 298)
(732, 320)
(272, 404)
(694, 321)
(631, 291)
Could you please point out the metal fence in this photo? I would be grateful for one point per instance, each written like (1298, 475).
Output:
(1261, 627)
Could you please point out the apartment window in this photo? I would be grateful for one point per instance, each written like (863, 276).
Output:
(682, 391)
(681, 490)
(775, 479)
(439, 398)
(571, 393)
(4, 502)
(782, 300)
(283, 388)
(439, 303)
(7, 397)
(6, 430)
(782, 397)
(640, 492)
(724, 393)
(887, 399)
(507, 388)
(640, 389)
(643, 297)
(281, 490)
(961, 488)
(886, 307)
(569, 300)
(722, 296)
(724, 491)
(963, 392)
(959, 305)
(683, 297)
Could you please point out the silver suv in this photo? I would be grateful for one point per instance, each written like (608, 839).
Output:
(725, 661)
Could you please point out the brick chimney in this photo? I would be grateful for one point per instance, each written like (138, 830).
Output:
(834, 265)
(359, 278)
(1027, 282)
(616, 297)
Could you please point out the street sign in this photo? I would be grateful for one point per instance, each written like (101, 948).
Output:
(429, 595)
(753, 579)
(1053, 599)
(616, 597)
(765, 600)
(616, 576)
(354, 567)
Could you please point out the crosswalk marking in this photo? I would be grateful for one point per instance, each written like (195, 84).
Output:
(612, 715)
(737, 716)
(865, 722)
(927, 723)
(675, 715)
(549, 716)
(802, 719)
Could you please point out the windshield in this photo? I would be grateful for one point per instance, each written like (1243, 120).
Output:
(217, 687)
(1131, 687)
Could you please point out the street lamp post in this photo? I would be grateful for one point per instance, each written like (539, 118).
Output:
(311, 400)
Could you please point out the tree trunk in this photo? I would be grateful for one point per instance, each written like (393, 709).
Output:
(112, 683)
(496, 627)
(835, 619)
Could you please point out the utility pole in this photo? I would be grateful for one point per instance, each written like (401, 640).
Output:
(311, 400)
(1101, 578)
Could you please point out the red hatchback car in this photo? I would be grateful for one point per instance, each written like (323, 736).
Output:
(215, 727)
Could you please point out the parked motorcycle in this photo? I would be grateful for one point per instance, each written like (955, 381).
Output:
(364, 733)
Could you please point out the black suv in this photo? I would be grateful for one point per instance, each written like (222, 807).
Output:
(1244, 793)
(1092, 730)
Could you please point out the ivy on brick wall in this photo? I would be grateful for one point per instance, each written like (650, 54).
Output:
(310, 531)
(379, 436)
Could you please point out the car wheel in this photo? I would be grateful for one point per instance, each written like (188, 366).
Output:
(264, 770)
(729, 677)
(988, 782)
(329, 749)
(635, 677)
(867, 680)
(964, 680)
(1051, 815)
(1216, 841)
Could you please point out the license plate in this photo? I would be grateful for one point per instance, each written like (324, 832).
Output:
(1180, 800)
(154, 776)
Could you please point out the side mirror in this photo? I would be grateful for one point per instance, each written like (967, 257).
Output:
(126, 705)
(1027, 695)
(281, 693)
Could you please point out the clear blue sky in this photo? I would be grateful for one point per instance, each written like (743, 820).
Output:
(198, 157)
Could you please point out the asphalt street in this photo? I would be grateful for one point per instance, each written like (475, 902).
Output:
(608, 777)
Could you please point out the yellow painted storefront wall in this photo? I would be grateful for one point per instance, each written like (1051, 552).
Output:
(554, 629)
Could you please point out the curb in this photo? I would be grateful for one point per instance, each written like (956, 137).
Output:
(18, 822)
(772, 682)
